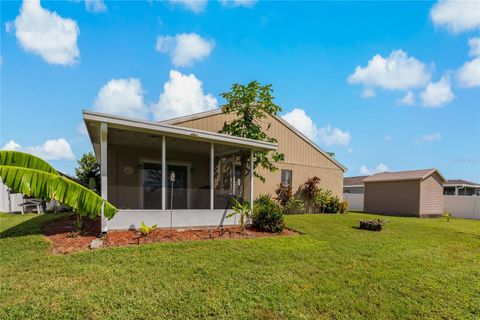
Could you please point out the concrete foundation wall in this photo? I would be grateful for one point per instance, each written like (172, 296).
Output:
(132, 219)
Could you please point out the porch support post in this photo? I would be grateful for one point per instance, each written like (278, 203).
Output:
(103, 170)
(164, 172)
(251, 179)
(212, 155)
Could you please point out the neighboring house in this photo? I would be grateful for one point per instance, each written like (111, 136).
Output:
(353, 185)
(405, 193)
(9, 201)
(133, 154)
(459, 187)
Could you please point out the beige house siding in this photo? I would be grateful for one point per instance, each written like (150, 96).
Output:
(300, 156)
(393, 197)
(431, 199)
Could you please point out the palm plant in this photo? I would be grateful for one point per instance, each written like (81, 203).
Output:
(241, 209)
(32, 176)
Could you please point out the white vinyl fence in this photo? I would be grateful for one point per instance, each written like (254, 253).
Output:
(462, 206)
(355, 201)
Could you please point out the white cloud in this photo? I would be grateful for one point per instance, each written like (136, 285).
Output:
(185, 48)
(430, 137)
(122, 97)
(368, 93)
(381, 167)
(82, 129)
(182, 95)
(326, 135)
(11, 145)
(395, 72)
(456, 16)
(474, 44)
(192, 5)
(350, 150)
(437, 94)
(408, 99)
(95, 6)
(51, 150)
(239, 3)
(387, 138)
(469, 74)
(302, 122)
(333, 136)
(46, 33)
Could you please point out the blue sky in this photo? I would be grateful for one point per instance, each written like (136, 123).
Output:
(386, 86)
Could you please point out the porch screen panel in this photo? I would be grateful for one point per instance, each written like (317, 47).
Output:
(227, 176)
(189, 162)
(135, 171)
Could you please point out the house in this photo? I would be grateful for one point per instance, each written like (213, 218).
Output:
(460, 187)
(406, 193)
(353, 185)
(201, 166)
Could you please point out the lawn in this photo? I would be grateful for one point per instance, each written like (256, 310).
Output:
(415, 268)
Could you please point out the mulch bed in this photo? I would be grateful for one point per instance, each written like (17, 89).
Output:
(64, 239)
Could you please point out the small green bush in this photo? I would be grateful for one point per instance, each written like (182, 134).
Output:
(343, 207)
(294, 206)
(325, 202)
(267, 215)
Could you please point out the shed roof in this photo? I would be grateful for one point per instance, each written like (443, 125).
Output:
(403, 175)
(353, 181)
(460, 182)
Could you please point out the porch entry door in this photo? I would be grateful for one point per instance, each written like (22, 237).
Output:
(178, 191)
(152, 185)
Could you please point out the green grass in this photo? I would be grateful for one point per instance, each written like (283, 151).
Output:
(415, 268)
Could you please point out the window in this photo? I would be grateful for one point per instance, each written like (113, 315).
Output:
(287, 177)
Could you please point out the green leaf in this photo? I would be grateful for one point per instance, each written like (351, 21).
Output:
(25, 160)
(38, 183)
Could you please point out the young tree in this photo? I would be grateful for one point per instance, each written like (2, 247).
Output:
(252, 104)
(88, 171)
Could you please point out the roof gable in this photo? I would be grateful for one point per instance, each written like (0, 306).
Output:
(197, 116)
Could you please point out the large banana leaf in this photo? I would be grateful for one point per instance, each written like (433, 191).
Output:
(37, 183)
(25, 160)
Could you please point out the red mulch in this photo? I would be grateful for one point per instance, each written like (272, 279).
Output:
(65, 240)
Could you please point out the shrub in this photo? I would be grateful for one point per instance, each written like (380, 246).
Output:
(309, 190)
(146, 230)
(267, 215)
(325, 202)
(243, 210)
(294, 206)
(343, 207)
(284, 194)
(262, 199)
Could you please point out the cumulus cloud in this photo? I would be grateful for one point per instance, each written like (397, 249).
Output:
(95, 6)
(474, 44)
(302, 122)
(469, 74)
(333, 136)
(192, 5)
(395, 72)
(182, 95)
(326, 135)
(122, 97)
(437, 94)
(430, 137)
(46, 33)
(456, 16)
(381, 167)
(50, 150)
(12, 146)
(185, 48)
(408, 99)
(238, 3)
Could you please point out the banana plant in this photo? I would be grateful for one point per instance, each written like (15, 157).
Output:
(32, 176)
(241, 209)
